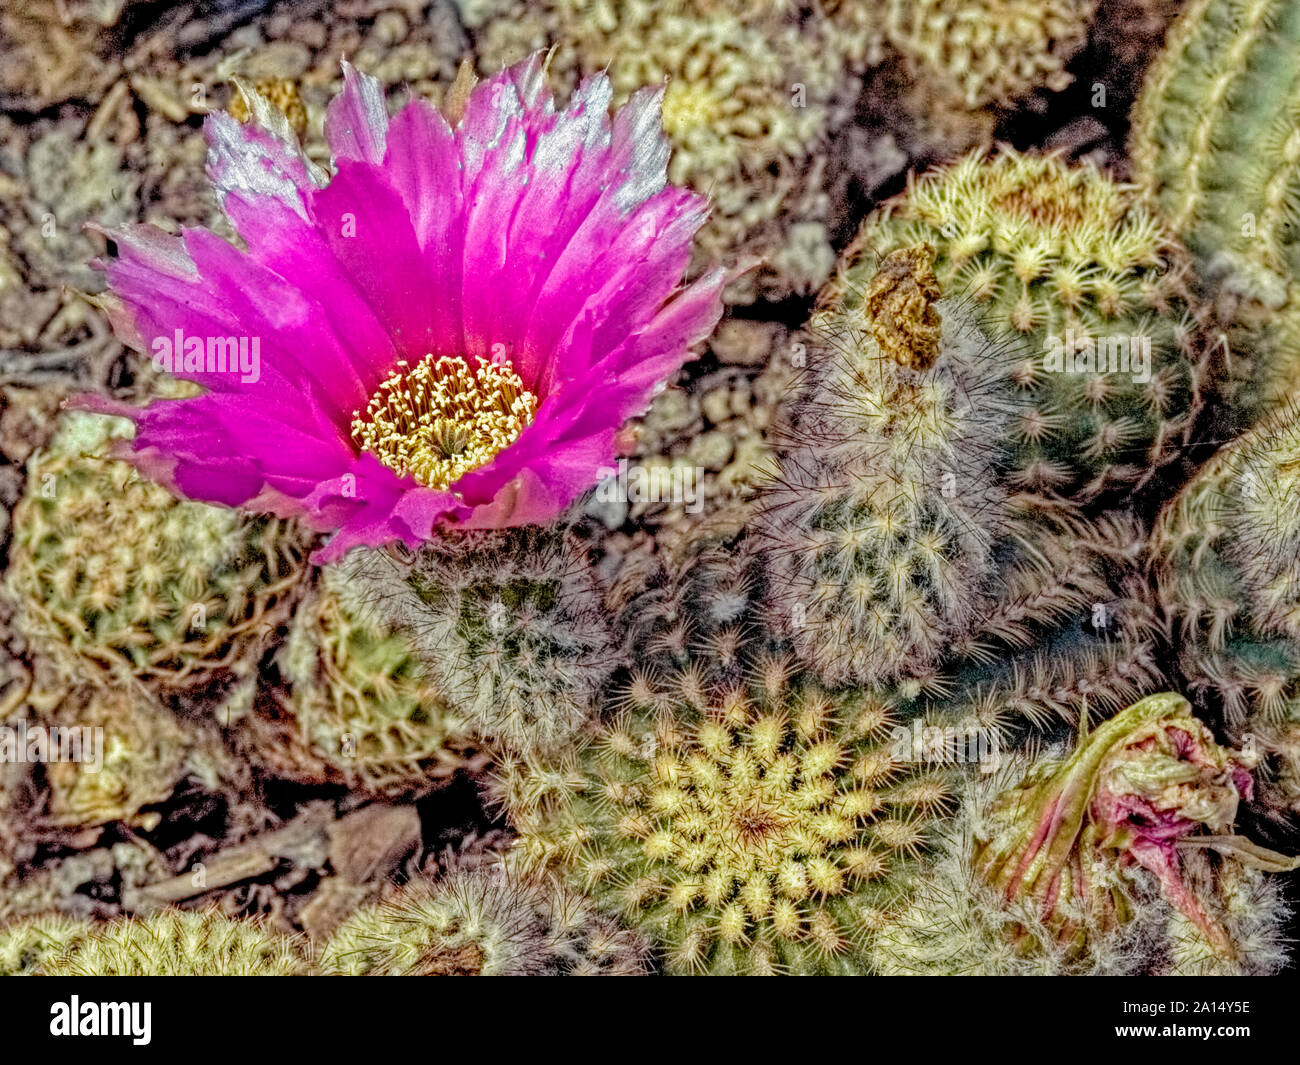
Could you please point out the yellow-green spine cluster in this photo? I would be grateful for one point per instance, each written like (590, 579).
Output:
(761, 830)
(117, 580)
(361, 705)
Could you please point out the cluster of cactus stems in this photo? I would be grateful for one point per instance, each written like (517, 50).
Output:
(709, 753)
(901, 547)
(135, 603)
(484, 922)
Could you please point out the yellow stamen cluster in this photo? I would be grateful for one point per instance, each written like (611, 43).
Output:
(443, 418)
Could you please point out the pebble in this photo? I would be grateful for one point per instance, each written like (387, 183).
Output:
(741, 343)
(716, 404)
(711, 450)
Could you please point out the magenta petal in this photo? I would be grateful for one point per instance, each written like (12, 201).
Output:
(424, 166)
(248, 160)
(366, 226)
(371, 506)
(292, 247)
(356, 122)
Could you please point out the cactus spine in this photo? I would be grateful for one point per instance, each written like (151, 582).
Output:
(360, 704)
(485, 922)
(178, 943)
(1226, 554)
(509, 624)
(116, 579)
(901, 548)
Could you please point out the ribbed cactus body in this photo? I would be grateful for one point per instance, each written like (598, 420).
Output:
(1216, 142)
(750, 829)
(1073, 267)
(900, 546)
(178, 943)
(122, 582)
(509, 625)
(360, 704)
(888, 508)
(1073, 634)
(1228, 567)
(485, 922)
(695, 603)
(989, 51)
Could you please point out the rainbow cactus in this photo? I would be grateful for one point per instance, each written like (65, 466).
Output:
(1070, 265)
(119, 582)
(899, 545)
(1228, 578)
(176, 943)
(740, 741)
(1216, 144)
(749, 829)
(509, 625)
(483, 922)
(360, 706)
(989, 51)
(889, 506)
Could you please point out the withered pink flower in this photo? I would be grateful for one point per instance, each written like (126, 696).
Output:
(450, 330)
(1138, 788)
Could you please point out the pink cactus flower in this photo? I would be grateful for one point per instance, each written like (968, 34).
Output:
(450, 330)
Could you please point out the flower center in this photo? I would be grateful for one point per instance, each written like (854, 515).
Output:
(443, 418)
